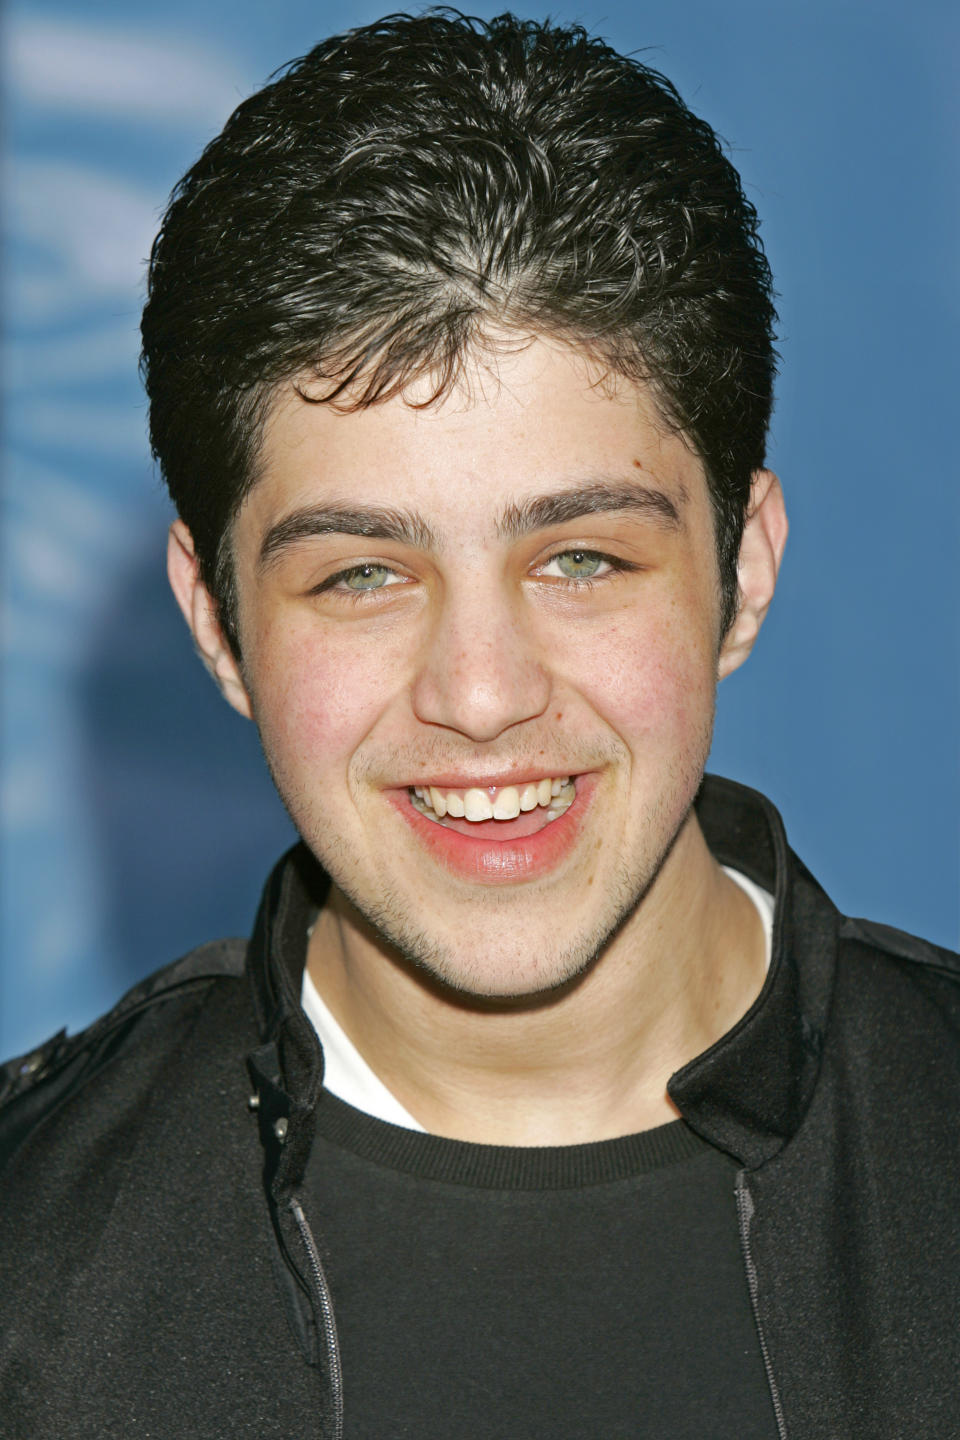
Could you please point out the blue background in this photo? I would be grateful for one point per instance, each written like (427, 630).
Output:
(138, 818)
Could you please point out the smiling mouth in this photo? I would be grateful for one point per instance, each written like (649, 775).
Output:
(511, 809)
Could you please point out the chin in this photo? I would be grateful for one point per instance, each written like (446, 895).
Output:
(510, 980)
(506, 969)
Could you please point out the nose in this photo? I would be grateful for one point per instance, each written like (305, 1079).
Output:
(479, 671)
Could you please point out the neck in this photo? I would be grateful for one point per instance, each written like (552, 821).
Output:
(587, 1063)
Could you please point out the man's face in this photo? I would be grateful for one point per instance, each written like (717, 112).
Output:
(532, 598)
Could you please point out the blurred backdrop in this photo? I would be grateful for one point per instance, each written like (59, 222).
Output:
(137, 816)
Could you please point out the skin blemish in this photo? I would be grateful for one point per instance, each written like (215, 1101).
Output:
(638, 464)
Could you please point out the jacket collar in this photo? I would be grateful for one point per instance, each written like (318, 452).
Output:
(746, 1094)
(287, 1068)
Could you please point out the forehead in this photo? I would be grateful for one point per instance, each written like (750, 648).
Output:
(533, 422)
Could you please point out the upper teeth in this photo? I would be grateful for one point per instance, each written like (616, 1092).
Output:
(495, 803)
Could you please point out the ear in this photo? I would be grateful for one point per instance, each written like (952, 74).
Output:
(200, 613)
(761, 549)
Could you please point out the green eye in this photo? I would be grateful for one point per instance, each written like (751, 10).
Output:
(579, 564)
(367, 577)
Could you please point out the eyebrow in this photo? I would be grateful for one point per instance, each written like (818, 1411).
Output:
(372, 522)
(599, 497)
(407, 527)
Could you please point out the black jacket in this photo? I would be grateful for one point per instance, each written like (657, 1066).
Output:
(160, 1277)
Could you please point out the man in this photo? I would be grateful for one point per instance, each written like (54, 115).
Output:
(551, 1096)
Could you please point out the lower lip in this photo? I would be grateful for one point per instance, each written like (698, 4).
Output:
(501, 862)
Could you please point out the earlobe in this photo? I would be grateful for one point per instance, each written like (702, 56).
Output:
(200, 612)
(761, 550)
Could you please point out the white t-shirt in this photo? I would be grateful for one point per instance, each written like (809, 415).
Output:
(345, 1072)
(347, 1075)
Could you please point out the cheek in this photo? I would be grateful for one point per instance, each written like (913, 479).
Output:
(653, 683)
(315, 703)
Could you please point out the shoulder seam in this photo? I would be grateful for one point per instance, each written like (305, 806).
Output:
(215, 960)
(901, 944)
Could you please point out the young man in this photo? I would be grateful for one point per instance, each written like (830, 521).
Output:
(551, 1097)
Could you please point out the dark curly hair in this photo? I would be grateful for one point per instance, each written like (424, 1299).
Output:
(405, 187)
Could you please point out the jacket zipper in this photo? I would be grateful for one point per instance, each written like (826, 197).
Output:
(325, 1301)
(745, 1215)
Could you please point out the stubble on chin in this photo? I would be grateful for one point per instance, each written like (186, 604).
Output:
(377, 913)
(467, 973)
